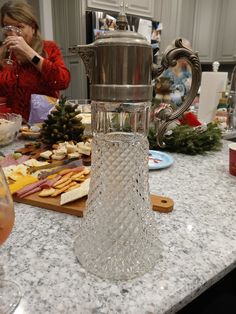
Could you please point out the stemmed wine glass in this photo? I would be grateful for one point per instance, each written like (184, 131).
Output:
(10, 294)
(6, 31)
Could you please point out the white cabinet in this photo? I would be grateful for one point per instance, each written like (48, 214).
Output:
(169, 15)
(206, 27)
(226, 39)
(141, 8)
(177, 17)
(209, 25)
(78, 85)
(187, 17)
(69, 30)
(111, 5)
(214, 30)
(195, 20)
(135, 7)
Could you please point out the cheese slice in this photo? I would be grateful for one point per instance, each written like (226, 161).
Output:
(58, 157)
(16, 176)
(35, 163)
(14, 187)
(75, 194)
(71, 148)
(84, 148)
(14, 172)
(46, 154)
(84, 151)
(73, 155)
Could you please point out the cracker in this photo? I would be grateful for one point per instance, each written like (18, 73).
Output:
(62, 180)
(59, 191)
(47, 192)
(60, 186)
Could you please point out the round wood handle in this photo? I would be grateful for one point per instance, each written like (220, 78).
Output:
(161, 203)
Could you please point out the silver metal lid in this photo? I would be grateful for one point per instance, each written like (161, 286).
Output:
(118, 64)
(121, 35)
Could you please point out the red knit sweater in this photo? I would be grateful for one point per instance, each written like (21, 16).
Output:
(19, 81)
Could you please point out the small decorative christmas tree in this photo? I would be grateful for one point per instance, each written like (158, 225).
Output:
(62, 124)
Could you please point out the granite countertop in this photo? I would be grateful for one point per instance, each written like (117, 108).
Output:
(198, 237)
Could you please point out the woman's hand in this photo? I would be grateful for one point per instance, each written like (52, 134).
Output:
(18, 45)
(22, 50)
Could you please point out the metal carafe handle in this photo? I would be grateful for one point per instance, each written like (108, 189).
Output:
(166, 116)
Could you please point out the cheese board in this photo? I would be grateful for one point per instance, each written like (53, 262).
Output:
(35, 150)
(75, 207)
(78, 208)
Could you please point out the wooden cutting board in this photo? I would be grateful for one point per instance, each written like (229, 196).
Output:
(78, 208)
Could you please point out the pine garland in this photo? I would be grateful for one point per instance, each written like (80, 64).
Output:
(190, 140)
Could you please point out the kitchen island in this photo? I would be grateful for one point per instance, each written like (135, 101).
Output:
(198, 247)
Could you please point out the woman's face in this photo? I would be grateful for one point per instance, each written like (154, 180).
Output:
(27, 31)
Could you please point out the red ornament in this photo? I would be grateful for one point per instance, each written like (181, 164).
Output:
(190, 119)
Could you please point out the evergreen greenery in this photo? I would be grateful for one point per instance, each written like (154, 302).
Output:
(188, 140)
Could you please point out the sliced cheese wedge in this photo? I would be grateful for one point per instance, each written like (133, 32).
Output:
(26, 180)
(75, 194)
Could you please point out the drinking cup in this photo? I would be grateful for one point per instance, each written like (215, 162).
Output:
(232, 159)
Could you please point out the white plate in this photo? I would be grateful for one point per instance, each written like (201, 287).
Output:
(159, 160)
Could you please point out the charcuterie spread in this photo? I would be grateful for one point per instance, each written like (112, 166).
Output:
(50, 178)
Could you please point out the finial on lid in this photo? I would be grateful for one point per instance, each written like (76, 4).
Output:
(215, 66)
(122, 22)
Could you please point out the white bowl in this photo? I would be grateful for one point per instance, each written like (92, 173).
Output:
(10, 124)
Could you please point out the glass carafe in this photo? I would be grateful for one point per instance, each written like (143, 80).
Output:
(119, 237)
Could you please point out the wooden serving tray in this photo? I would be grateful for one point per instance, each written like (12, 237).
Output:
(78, 208)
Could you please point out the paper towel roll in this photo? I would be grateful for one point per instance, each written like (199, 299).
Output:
(212, 85)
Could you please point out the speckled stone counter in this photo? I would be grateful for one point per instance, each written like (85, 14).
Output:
(198, 237)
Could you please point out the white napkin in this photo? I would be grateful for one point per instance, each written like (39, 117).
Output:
(212, 85)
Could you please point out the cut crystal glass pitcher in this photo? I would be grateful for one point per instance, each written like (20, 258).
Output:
(118, 238)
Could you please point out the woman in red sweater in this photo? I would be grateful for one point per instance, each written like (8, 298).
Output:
(38, 66)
